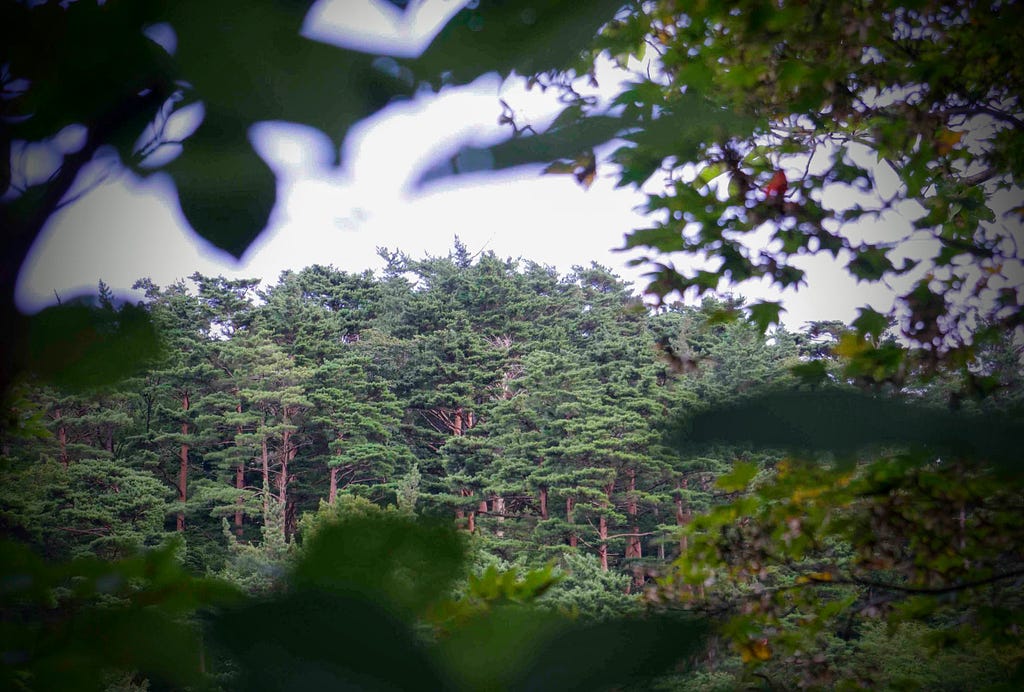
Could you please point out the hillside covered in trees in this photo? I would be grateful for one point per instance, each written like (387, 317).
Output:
(561, 426)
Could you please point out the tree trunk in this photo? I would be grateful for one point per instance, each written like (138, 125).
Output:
(633, 546)
(682, 515)
(570, 504)
(288, 455)
(602, 529)
(265, 458)
(461, 513)
(332, 494)
(498, 508)
(602, 535)
(543, 503)
(290, 521)
(62, 439)
(239, 478)
(239, 486)
(282, 476)
(183, 468)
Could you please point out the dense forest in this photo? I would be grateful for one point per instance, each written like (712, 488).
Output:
(556, 422)
(471, 473)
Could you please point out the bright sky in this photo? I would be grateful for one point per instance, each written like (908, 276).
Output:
(128, 228)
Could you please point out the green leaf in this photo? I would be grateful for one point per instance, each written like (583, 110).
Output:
(870, 323)
(764, 313)
(226, 190)
(812, 372)
(402, 563)
(323, 640)
(496, 36)
(738, 478)
(869, 263)
(843, 422)
(247, 63)
(79, 347)
(709, 173)
(518, 649)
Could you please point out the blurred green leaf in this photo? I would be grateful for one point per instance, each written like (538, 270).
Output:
(812, 372)
(742, 473)
(869, 263)
(67, 625)
(315, 639)
(226, 190)
(870, 323)
(78, 346)
(844, 422)
(502, 36)
(400, 562)
(764, 313)
(516, 648)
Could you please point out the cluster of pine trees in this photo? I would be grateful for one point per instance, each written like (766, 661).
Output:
(528, 406)
(550, 419)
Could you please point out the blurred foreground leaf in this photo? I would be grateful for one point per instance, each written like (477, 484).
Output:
(845, 422)
(313, 639)
(68, 626)
(78, 346)
(353, 614)
(500, 36)
(514, 648)
(397, 561)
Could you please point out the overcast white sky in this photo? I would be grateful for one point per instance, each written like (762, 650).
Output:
(129, 228)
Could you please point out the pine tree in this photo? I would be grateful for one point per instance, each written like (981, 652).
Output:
(355, 424)
(180, 381)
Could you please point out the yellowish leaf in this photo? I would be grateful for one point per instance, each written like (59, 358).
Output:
(755, 650)
(946, 140)
(850, 345)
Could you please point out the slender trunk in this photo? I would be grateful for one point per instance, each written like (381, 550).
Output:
(239, 479)
(471, 526)
(62, 439)
(498, 508)
(288, 453)
(570, 504)
(282, 476)
(183, 468)
(482, 507)
(633, 546)
(457, 422)
(239, 486)
(290, 521)
(265, 458)
(602, 535)
(332, 494)
(682, 516)
(602, 529)
(460, 513)
(543, 503)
